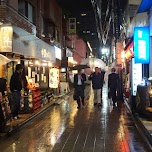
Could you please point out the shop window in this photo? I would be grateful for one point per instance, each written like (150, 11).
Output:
(26, 9)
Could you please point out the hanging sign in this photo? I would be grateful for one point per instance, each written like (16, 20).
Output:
(142, 45)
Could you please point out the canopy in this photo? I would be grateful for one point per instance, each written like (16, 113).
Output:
(4, 60)
(94, 62)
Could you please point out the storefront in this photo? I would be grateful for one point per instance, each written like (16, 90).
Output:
(37, 57)
(137, 55)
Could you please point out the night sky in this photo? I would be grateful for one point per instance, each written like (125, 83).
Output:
(74, 8)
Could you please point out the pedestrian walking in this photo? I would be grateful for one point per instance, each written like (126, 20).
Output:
(16, 87)
(113, 79)
(97, 83)
(79, 86)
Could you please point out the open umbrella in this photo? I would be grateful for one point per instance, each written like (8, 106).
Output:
(79, 67)
(4, 60)
(94, 62)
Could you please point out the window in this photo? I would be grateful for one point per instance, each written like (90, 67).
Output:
(26, 9)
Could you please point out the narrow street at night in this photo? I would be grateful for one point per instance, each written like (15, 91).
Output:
(64, 128)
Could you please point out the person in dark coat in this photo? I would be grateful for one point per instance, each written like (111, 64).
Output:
(97, 83)
(79, 86)
(113, 79)
(16, 87)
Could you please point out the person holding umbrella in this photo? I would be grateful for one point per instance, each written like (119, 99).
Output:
(79, 86)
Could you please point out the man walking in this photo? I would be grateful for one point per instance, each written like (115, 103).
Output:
(79, 86)
(113, 79)
(16, 87)
(97, 83)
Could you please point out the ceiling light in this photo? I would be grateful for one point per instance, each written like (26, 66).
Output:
(83, 14)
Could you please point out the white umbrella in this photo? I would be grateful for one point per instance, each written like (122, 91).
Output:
(94, 62)
(4, 60)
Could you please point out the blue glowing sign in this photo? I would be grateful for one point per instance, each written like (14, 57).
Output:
(142, 45)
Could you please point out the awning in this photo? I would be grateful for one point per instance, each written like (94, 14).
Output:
(29, 45)
(4, 60)
(145, 6)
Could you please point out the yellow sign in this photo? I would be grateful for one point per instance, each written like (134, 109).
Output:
(6, 33)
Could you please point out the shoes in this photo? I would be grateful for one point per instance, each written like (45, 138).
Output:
(15, 118)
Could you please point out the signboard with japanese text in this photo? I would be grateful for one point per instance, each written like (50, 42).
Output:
(6, 33)
(142, 45)
(54, 78)
(136, 76)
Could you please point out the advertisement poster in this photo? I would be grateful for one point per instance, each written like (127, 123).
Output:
(54, 78)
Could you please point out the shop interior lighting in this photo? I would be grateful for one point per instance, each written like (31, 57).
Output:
(37, 62)
(50, 64)
(44, 64)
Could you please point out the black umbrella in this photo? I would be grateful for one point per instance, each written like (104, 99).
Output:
(79, 67)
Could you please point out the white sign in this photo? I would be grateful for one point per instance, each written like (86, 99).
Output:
(57, 53)
(54, 78)
(136, 76)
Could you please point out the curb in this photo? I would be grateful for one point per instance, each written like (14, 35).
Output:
(141, 128)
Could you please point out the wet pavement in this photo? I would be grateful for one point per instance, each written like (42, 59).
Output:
(64, 128)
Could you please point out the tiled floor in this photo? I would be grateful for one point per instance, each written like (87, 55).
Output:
(64, 128)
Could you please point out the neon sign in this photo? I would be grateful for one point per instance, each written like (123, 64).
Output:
(142, 45)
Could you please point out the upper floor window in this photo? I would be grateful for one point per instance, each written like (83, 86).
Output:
(26, 9)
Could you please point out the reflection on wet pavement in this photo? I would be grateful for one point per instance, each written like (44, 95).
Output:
(64, 128)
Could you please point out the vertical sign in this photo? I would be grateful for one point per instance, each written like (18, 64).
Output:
(142, 45)
(72, 25)
(136, 76)
(6, 33)
(54, 78)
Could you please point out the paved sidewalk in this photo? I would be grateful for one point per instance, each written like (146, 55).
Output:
(13, 125)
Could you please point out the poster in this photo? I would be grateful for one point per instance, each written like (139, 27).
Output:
(44, 79)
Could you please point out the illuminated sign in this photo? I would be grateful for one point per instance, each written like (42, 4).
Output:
(136, 76)
(6, 33)
(142, 45)
(54, 78)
